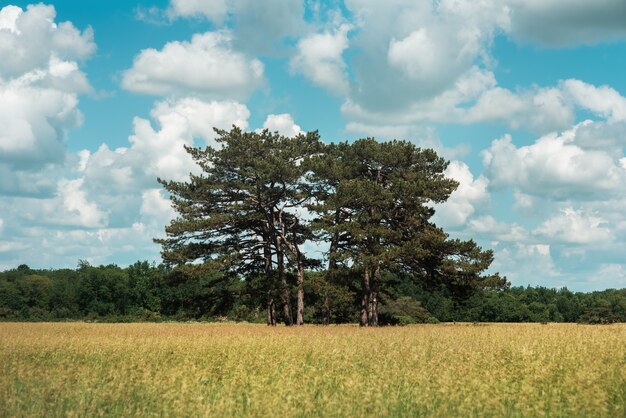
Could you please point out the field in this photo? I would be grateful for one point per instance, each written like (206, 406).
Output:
(82, 369)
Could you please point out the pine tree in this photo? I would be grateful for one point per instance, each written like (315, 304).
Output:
(241, 211)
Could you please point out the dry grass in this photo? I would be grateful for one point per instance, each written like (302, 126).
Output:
(251, 370)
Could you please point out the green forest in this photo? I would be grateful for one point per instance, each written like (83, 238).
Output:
(238, 248)
(145, 292)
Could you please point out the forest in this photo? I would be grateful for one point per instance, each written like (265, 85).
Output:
(237, 249)
(146, 292)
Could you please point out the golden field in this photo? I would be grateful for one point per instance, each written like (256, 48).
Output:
(176, 369)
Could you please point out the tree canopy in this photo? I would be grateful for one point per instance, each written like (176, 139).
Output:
(262, 198)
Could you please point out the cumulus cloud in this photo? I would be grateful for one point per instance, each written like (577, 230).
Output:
(283, 124)
(70, 207)
(214, 10)
(30, 38)
(413, 51)
(554, 167)
(414, 58)
(528, 264)
(575, 227)
(496, 230)
(40, 82)
(256, 25)
(155, 206)
(470, 197)
(320, 59)
(604, 100)
(111, 212)
(607, 136)
(118, 179)
(33, 122)
(540, 110)
(207, 66)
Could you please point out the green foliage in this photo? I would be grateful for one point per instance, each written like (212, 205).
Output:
(404, 311)
(145, 292)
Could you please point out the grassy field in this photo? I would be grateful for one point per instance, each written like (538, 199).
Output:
(81, 369)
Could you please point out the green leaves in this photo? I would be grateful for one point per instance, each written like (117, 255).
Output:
(372, 202)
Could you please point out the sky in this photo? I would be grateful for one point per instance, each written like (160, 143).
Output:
(526, 98)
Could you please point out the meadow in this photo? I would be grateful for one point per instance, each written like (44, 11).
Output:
(198, 369)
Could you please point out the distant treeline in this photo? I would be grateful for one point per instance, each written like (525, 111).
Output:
(146, 292)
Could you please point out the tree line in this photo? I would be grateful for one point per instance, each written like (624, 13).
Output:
(241, 247)
(147, 292)
(262, 197)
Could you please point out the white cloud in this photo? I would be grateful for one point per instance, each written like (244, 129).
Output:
(29, 39)
(117, 179)
(74, 200)
(541, 110)
(214, 10)
(441, 108)
(320, 59)
(283, 124)
(553, 167)
(70, 207)
(33, 121)
(156, 207)
(603, 100)
(160, 153)
(567, 22)
(8, 18)
(575, 227)
(414, 57)
(256, 25)
(201, 117)
(470, 197)
(609, 276)
(207, 67)
(411, 52)
(111, 212)
(420, 136)
(496, 230)
(607, 136)
(528, 264)
(39, 86)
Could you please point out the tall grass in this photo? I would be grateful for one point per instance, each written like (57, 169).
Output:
(79, 369)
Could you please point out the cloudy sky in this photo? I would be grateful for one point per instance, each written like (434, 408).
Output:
(526, 98)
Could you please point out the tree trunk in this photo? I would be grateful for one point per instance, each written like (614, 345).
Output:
(365, 293)
(332, 269)
(326, 309)
(300, 313)
(283, 283)
(269, 277)
(271, 312)
(375, 285)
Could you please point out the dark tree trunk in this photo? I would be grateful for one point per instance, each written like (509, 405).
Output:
(269, 277)
(332, 270)
(284, 288)
(365, 294)
(375, 285)
(271, 312)
(300, 313)
(326, 309)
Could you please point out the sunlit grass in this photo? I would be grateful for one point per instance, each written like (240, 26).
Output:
(233, 370)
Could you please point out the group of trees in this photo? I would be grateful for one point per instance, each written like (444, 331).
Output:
(145, 292)
(241, 248)
(261, 197)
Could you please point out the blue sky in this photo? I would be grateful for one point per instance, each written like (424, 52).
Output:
(526, 98)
